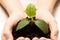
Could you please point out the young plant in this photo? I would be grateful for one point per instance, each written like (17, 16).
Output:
(31, 12)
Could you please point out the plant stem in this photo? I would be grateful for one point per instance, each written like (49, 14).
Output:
(32, 19)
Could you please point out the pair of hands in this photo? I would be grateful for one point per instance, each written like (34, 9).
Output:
(13, 7)
(41, 14)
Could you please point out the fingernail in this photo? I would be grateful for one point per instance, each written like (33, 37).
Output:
(35, 38)
(21, 38)
(27, 38)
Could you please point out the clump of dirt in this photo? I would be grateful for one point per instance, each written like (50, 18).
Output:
(30, 31)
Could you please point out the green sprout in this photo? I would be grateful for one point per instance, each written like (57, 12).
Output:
(31, 12)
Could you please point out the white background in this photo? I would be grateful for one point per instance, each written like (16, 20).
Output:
(3, 16)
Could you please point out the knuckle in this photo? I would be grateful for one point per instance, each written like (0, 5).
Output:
(27, 38)
(54, 36)
(56, 31)
(35, 38)
(5, 33)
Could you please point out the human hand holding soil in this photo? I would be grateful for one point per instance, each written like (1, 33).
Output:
(45, 9)
(47, 16)
(16, 13)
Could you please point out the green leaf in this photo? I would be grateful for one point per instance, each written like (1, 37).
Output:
(22, 24)
(31, 10)
(42, 25)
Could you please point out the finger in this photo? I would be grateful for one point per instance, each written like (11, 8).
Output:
(3, 38)
(35, 38)
(7, 32)
(27, 38)
(42, 38)
(20, 38)
(54, 30)
(7, 36)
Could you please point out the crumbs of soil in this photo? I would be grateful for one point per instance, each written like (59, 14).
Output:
(30, 31)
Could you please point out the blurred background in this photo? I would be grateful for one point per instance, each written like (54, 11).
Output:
(4, 17)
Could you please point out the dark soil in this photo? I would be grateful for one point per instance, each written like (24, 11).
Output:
(30, 31)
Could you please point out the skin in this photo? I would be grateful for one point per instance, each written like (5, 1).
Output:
(45, 9)
(16, 13)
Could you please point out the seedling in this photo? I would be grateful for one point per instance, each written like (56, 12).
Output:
(31, 12)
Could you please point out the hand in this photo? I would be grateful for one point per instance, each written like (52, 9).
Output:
(12, 21)
(47, 16)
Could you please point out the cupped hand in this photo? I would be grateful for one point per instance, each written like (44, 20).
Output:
(12, 21)
(48, 18)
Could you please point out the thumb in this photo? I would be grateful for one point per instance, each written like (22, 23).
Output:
(7, 34)
(54, 30)
(10, 37)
